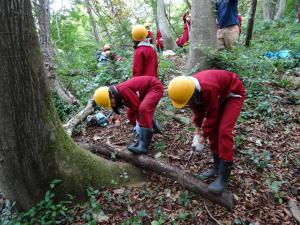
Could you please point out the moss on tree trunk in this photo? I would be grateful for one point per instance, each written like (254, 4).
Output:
(34, 148)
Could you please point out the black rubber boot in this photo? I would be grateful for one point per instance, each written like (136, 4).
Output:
(219, 185)
(141, 147)
(156, 126)
(211, 172)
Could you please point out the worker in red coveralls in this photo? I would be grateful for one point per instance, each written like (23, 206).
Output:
(159, 41)
(218, 97)
(145, 61)
(150, 33)
(141, 95)
(240, 23)
(184, 38)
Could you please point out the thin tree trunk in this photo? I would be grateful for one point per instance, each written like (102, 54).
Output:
(266, 10)
(250, 24)
(202, 34)
(34, 148)
(281, 9)
(42, 11)
(57, 29)
(188, 4)
(96, 11)
(169, 42)
(150, 164)
(169, 22)
(92, 21)
(273, 9)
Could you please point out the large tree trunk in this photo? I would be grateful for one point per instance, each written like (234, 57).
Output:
(34, 148)
(281, 9)
(169, 42)
(92, 21)
(42, 11)
(147, 163)
(250, 23)
(266, 10)
(202, 35)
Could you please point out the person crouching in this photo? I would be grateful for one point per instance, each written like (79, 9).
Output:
(218, 96)
(141, 95)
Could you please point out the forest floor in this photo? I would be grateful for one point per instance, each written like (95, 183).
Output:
(266, 172)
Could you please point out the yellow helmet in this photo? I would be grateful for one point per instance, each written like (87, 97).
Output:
(139, 32)
(180, 91)
(102, 98)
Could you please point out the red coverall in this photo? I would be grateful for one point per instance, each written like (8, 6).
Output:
(159, 41)
(219, 110)
(240, 23)
(141, 95)
(185, 36)
(145, 62)
(150, 34)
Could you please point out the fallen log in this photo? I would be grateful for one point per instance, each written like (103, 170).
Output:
(150, 164)
(294, 209)
(178, 118)
(79, 117)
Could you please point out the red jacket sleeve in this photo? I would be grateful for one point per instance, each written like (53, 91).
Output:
(132, 98)
(137, 66)
(198, 116)
(211, 111)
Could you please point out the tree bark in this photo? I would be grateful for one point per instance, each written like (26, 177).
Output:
(92, 21)
(266, 10)
(250, 23)
(169, 42)
(273, 6)
(42, 11)
(34, 148)
(150, 164)
(202, 34)
(281, 9)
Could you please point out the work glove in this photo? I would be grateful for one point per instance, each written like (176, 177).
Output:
(197, 146)
(137, 129)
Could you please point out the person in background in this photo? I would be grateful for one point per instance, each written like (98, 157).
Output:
(106, 54)
(240, 23)
(228, 23)
(184, 38)
(145, 62)
(141, 95)
(150, 33)
(218, 97)
(159, 41)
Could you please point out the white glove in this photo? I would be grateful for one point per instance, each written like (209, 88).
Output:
(197, 146)
(137, 129)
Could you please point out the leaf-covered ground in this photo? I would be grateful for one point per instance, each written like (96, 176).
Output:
(266, 171)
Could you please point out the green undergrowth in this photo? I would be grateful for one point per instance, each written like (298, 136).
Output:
(49, 211)
(83, 82)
